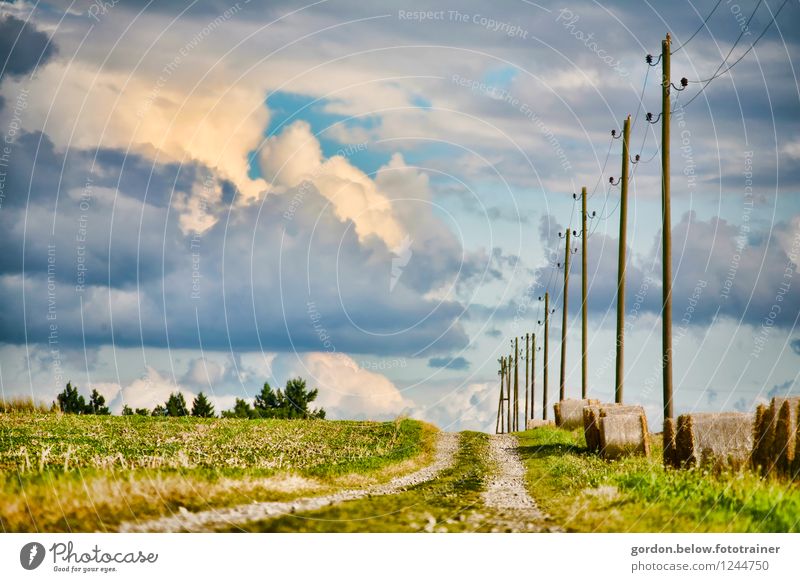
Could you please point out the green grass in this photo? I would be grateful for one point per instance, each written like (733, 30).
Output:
(85, 473)
(451, 502)
(584, 493)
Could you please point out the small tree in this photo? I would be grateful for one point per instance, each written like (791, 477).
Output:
(70, 401)
(97, 404)
(298, 397)
(241, 409)
(127, 410)
(267, 402)
(159, 410)
(202, 407)
(176, 405)
(142, 412)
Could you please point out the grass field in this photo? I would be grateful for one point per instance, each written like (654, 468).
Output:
(583, 493)
(86, 473)
(451, 502)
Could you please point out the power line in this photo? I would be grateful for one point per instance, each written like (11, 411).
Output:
(702, 26)
(745, 28)
(744, 54)
(719, 73)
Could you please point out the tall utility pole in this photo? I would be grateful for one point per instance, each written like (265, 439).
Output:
(527, 377)
(666, 232)
(516, 383)
(584, 293)
(508, 392)
(533, 376)
(499, 425)
(546, 336)
(561, 394)
(621, 265)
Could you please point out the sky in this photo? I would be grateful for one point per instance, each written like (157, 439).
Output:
(210, 195)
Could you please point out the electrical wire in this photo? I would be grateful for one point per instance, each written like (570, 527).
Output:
(718, 74)
(702, 26)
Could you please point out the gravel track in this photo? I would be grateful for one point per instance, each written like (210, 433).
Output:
(446, 447)
(506, 496)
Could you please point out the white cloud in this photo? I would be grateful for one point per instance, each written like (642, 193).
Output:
(295, 155)
(215, 123)
(348, 391)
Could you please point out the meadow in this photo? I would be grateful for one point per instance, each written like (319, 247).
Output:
(89, 473)
(585, 493)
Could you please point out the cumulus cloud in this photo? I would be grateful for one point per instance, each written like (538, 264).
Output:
(348, 391)
(214, 124)
(295, 156)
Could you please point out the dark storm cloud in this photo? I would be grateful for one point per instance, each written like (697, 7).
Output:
(22, 47)
(450, 363)
(720, 270)
(243, 283)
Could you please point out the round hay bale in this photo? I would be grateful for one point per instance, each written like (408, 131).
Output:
(591, 428)
(784, 441)
(569, 412)
(770, 446)
(717, 440)
(624, 435)
(761, 439)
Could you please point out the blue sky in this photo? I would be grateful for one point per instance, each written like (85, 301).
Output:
(210, 195)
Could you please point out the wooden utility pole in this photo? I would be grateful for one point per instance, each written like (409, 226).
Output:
(527, 377)
(666, 232)
(546, 336)
(533, 377)
(584, 293)
(622, 264)
(508, 392)
(516, 383)
(561, 394)
(499, 425)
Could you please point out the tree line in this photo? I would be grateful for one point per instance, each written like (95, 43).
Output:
(294, 401)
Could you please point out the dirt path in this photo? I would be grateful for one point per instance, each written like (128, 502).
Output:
(446, 447)
(506, 496)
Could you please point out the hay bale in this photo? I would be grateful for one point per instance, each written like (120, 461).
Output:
(591, 418)
(537, 423)
(796, 467)
(717, 440)
(670, 453)
(772, 436)
(784, 441)
(569, 412)
(591, 427)
(624, 434)
(762, 439)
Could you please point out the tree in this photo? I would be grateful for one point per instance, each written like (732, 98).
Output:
(297, 398)
(202, 407)
(159, 410)
(97, 404)
(142, 412)
(176, 405)
(241, 409)
(267, 402)
(70, 401)
(127, 410)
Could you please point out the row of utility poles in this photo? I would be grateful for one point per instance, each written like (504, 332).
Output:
(508, 403)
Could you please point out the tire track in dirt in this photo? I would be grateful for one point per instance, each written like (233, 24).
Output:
(209, 520)
(512, 507)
